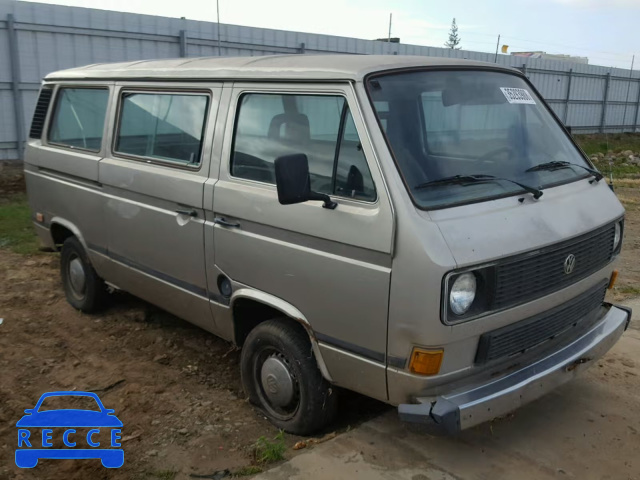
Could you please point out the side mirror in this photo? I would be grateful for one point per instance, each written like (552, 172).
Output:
(569, 129)
(294, 184)
(28, 411)
(109, 411)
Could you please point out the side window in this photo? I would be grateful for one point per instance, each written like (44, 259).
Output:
(164, 126)
(270, 125)
(78, 120)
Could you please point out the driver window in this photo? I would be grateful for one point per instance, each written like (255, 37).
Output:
(269, 126)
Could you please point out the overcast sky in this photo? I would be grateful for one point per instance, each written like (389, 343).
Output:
(606, 31)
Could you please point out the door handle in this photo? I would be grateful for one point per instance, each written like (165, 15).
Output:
(188, 213)
(225, 223)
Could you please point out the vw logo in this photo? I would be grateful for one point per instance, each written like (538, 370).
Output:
(569, 264)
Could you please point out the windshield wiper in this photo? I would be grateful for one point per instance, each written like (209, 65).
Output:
(478, 178)
(556, 164)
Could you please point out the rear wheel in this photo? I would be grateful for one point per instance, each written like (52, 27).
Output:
(281, 377)
(84, 289)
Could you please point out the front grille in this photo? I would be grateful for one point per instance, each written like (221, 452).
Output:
(529, 333)
(535, 275)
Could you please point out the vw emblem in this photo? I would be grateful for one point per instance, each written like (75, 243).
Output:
(569, 263)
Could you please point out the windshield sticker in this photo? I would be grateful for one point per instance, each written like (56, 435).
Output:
(517, 95)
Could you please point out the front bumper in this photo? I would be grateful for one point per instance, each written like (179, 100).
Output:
(472, 405)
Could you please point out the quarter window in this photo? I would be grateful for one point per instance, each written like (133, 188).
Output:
(320, 126)
(163, 126)
(78, 120)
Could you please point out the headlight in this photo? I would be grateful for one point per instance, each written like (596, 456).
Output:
(463, 292)
(616, 236)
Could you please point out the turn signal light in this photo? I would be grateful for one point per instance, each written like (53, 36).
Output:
(614, 277)
(426, 362)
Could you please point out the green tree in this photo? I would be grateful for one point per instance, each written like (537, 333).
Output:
(454, 39)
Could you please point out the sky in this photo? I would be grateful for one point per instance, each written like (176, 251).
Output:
(606, 31)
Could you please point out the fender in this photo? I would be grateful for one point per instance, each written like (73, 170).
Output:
(288, 310)
(70, 226)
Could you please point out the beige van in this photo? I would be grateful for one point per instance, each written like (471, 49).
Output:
(420, 230)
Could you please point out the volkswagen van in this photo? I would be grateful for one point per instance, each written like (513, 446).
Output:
(421, 230)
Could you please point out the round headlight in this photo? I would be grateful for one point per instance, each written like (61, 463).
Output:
(463, 292)
(616, 236)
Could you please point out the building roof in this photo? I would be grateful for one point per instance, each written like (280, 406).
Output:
(285, 67)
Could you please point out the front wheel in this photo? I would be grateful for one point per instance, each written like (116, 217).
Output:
(281, 377)
(83, 288)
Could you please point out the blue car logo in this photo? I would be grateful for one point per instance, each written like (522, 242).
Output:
(28, 452)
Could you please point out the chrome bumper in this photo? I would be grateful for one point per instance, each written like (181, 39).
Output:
(470, 406)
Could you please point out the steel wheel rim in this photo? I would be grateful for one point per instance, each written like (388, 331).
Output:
(77, 276)
(279, 402)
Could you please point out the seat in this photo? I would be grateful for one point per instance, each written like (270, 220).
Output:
(296, 127)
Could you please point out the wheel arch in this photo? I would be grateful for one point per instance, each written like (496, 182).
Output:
(242, 327)
(60, 229)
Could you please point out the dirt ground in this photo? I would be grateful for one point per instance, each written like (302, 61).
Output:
(175, 387)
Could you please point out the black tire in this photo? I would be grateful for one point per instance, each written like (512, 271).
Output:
(93, 296)
(314, 402)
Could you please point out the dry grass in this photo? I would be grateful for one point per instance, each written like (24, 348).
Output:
(624, 199)
(627, 182)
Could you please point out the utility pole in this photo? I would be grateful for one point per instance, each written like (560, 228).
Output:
(389, 37)
(495, 60)
(626, 102)
(218, 27)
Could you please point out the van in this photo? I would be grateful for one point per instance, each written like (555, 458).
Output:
(420, 230)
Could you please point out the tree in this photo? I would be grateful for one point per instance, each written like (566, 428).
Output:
(454, 39)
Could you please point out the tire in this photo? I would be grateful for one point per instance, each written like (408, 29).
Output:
(91, 294)
(285, 345)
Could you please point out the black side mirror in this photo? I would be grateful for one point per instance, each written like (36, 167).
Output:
(293, 183)
(569, 129)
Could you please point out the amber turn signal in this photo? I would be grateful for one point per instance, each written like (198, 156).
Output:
(614, 277)
(426, 362)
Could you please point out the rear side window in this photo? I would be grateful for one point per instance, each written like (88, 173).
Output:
(78, 120)
(320, 126)
(163, 126)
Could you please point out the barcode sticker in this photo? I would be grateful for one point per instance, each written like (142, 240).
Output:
(517, 95)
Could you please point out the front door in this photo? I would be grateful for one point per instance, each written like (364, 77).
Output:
(155, 179)
(332, 265)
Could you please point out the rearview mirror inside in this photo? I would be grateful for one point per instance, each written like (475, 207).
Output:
(293, 182)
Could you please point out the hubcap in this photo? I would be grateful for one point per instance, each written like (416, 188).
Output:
(77, 276)
(277, 383)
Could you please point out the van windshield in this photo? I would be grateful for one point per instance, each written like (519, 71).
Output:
(442, 124)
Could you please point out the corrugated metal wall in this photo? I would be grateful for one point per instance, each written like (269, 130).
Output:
(40, 38)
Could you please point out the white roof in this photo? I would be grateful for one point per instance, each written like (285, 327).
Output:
(273, 67)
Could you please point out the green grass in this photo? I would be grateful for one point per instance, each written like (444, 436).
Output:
(601, 143)
(619, 171)
(628, 290)
(246, 471)
(16, 229)
(270, 451)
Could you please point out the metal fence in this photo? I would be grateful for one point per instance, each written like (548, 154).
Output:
(36, 39)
